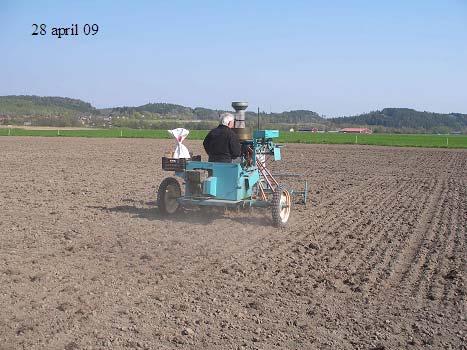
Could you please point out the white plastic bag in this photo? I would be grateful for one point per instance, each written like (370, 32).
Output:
(180, 134)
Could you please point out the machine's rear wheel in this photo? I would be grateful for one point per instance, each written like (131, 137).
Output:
(169, 191)
(281, 206)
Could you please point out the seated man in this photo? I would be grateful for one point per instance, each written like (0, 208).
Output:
(222, 144)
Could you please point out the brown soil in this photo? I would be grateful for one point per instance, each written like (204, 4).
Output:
(375, 261)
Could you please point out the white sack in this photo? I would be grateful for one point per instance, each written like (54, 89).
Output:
(180, 134)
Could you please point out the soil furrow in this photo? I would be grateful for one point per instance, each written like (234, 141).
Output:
(425, 236)
(375, 235)
(446, 246)
(400, 236)
(326, 237)
(326, 228)
(454, 274)
(433, 248)
(419, 246)
(410, 254)
(376, 262)
(357, 238)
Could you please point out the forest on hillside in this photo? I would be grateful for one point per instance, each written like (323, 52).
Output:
(63, 111)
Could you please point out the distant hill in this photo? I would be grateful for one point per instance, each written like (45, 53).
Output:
(159, 109)
(168, 110)
(67, 111)
(295, 117)
(405, 118)
(44, 106)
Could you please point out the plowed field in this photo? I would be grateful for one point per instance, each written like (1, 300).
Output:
(376, 260)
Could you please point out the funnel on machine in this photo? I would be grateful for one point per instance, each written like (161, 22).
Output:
(240, 128)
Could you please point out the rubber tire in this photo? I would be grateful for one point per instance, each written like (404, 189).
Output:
(276, 207)
(162, 200)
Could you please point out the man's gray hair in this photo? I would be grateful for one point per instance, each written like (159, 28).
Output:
(226, 118)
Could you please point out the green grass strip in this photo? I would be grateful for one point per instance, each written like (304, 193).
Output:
(397, 140)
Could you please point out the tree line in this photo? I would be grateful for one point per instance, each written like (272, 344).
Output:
(62, 111)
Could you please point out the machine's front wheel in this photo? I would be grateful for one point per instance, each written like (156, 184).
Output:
(281, 206)
(169, 191)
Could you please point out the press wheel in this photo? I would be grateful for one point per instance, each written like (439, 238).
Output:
(281, 206)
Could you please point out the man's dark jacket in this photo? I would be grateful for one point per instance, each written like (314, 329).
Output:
(222, 145)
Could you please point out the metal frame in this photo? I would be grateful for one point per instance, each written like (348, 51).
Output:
(260, 151)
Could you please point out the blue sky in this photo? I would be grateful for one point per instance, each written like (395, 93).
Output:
(334, 57)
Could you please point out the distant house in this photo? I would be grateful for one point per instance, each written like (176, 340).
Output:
(356, 131)
(84, 119)
(308, 129)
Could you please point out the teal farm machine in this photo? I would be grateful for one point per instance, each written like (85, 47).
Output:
(243, 184)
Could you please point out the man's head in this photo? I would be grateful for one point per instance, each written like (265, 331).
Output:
(227, 119)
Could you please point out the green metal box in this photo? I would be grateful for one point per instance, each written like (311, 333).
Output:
(210, 186)
(265, 134)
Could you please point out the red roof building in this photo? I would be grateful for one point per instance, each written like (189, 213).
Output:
(356, 131)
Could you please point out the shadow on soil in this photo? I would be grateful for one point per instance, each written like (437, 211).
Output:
(203, 216)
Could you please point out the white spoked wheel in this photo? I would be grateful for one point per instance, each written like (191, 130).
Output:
(167, 195)
(281, 207)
